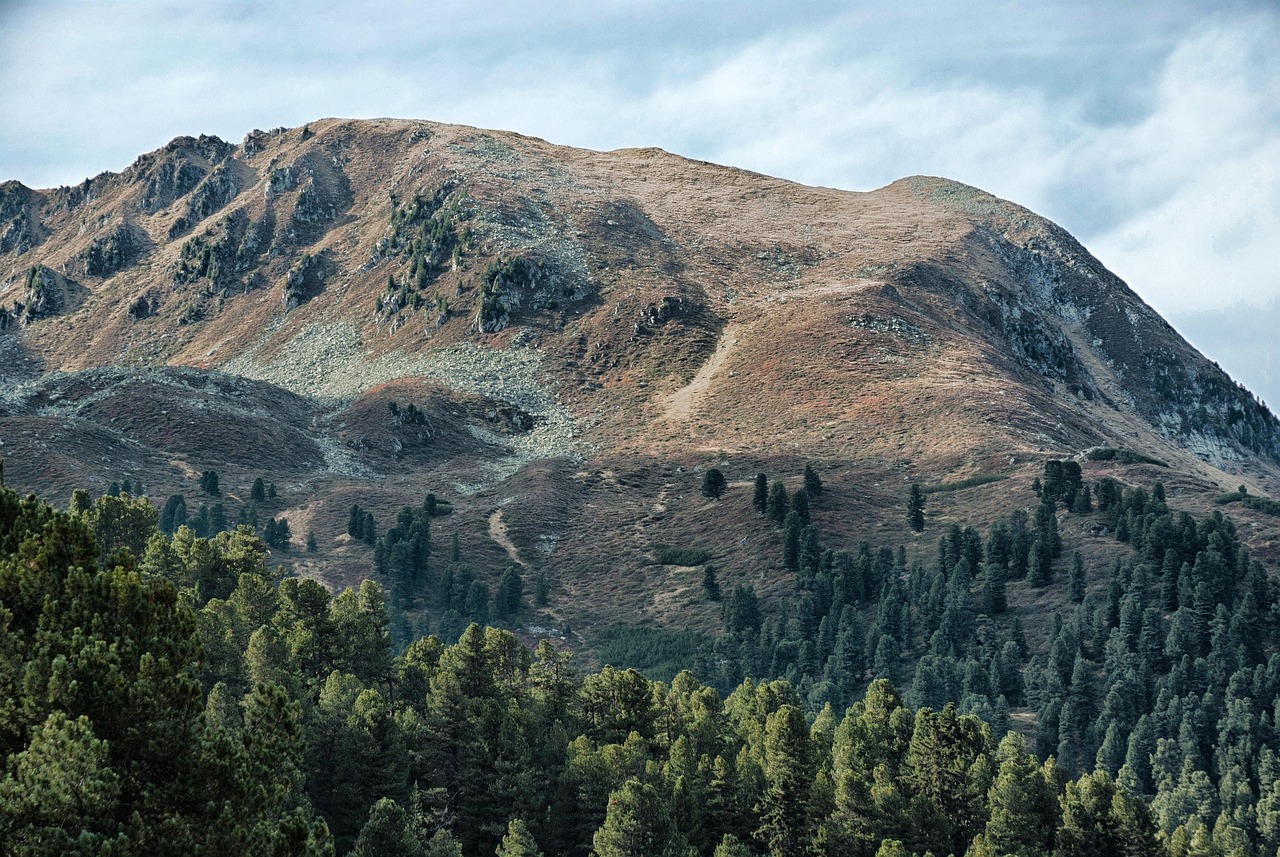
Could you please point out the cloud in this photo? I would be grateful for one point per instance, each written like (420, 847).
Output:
(1150, 130)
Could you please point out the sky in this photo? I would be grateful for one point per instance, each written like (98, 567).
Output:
(1149, 129)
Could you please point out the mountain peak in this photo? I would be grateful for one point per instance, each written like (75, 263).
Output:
(570, 305)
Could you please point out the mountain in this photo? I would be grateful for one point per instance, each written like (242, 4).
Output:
(580, 335)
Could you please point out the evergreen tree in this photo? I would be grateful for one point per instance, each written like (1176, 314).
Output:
(386, 833)
(312, 545)
(510, 591)
(777, 503)
(258, 493)
(638, 824)
(1076, 582)
(789, 778)
(518, 842)
(713, 483)
(994, 595)
(710, 584)
(1040, 569)
(209, 483)
(915, 508)
(812, 483)
(542, 589)
(760, 498)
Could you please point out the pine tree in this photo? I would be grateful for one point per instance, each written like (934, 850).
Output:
(386, 833)
(518, 842)
(1076, 582)
(812, 483)
(510, 591)
(777, 503)
(994, 593)
(713, 483)
(915, 508)
(259, 491)
(638, 824)
(760, 499)
(312, 546)
(542, 589)
(710, 585)
(789, 779)
(1040, 571)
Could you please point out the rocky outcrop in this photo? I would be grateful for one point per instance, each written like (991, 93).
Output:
(19, 231)
(114, 251)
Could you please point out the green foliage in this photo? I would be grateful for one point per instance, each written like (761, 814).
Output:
(131, 679)
(387, 834)
(209, 483)
(518, 842)
(962, 484)
(682, 556)
(277, 534)
(812, 482)
(638, 824)
(659, 653)
(710, 583)
(111, 253)
(1123, 456)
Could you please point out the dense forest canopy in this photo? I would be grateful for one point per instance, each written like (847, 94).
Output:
(173, 693)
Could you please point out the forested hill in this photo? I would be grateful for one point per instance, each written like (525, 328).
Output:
(175, 694)
(192, 702)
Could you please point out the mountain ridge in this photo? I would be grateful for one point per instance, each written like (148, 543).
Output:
(581, 314)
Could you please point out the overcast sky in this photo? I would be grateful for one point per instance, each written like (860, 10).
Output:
(1149, 129)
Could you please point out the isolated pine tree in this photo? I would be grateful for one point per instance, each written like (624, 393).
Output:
(713, 483)
(915, 508)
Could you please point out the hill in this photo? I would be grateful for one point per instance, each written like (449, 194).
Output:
(581, 335)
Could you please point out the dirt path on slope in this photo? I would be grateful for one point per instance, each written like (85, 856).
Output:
(498, 532)
(684, 402)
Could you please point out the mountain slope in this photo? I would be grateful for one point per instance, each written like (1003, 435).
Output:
(581, 332)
